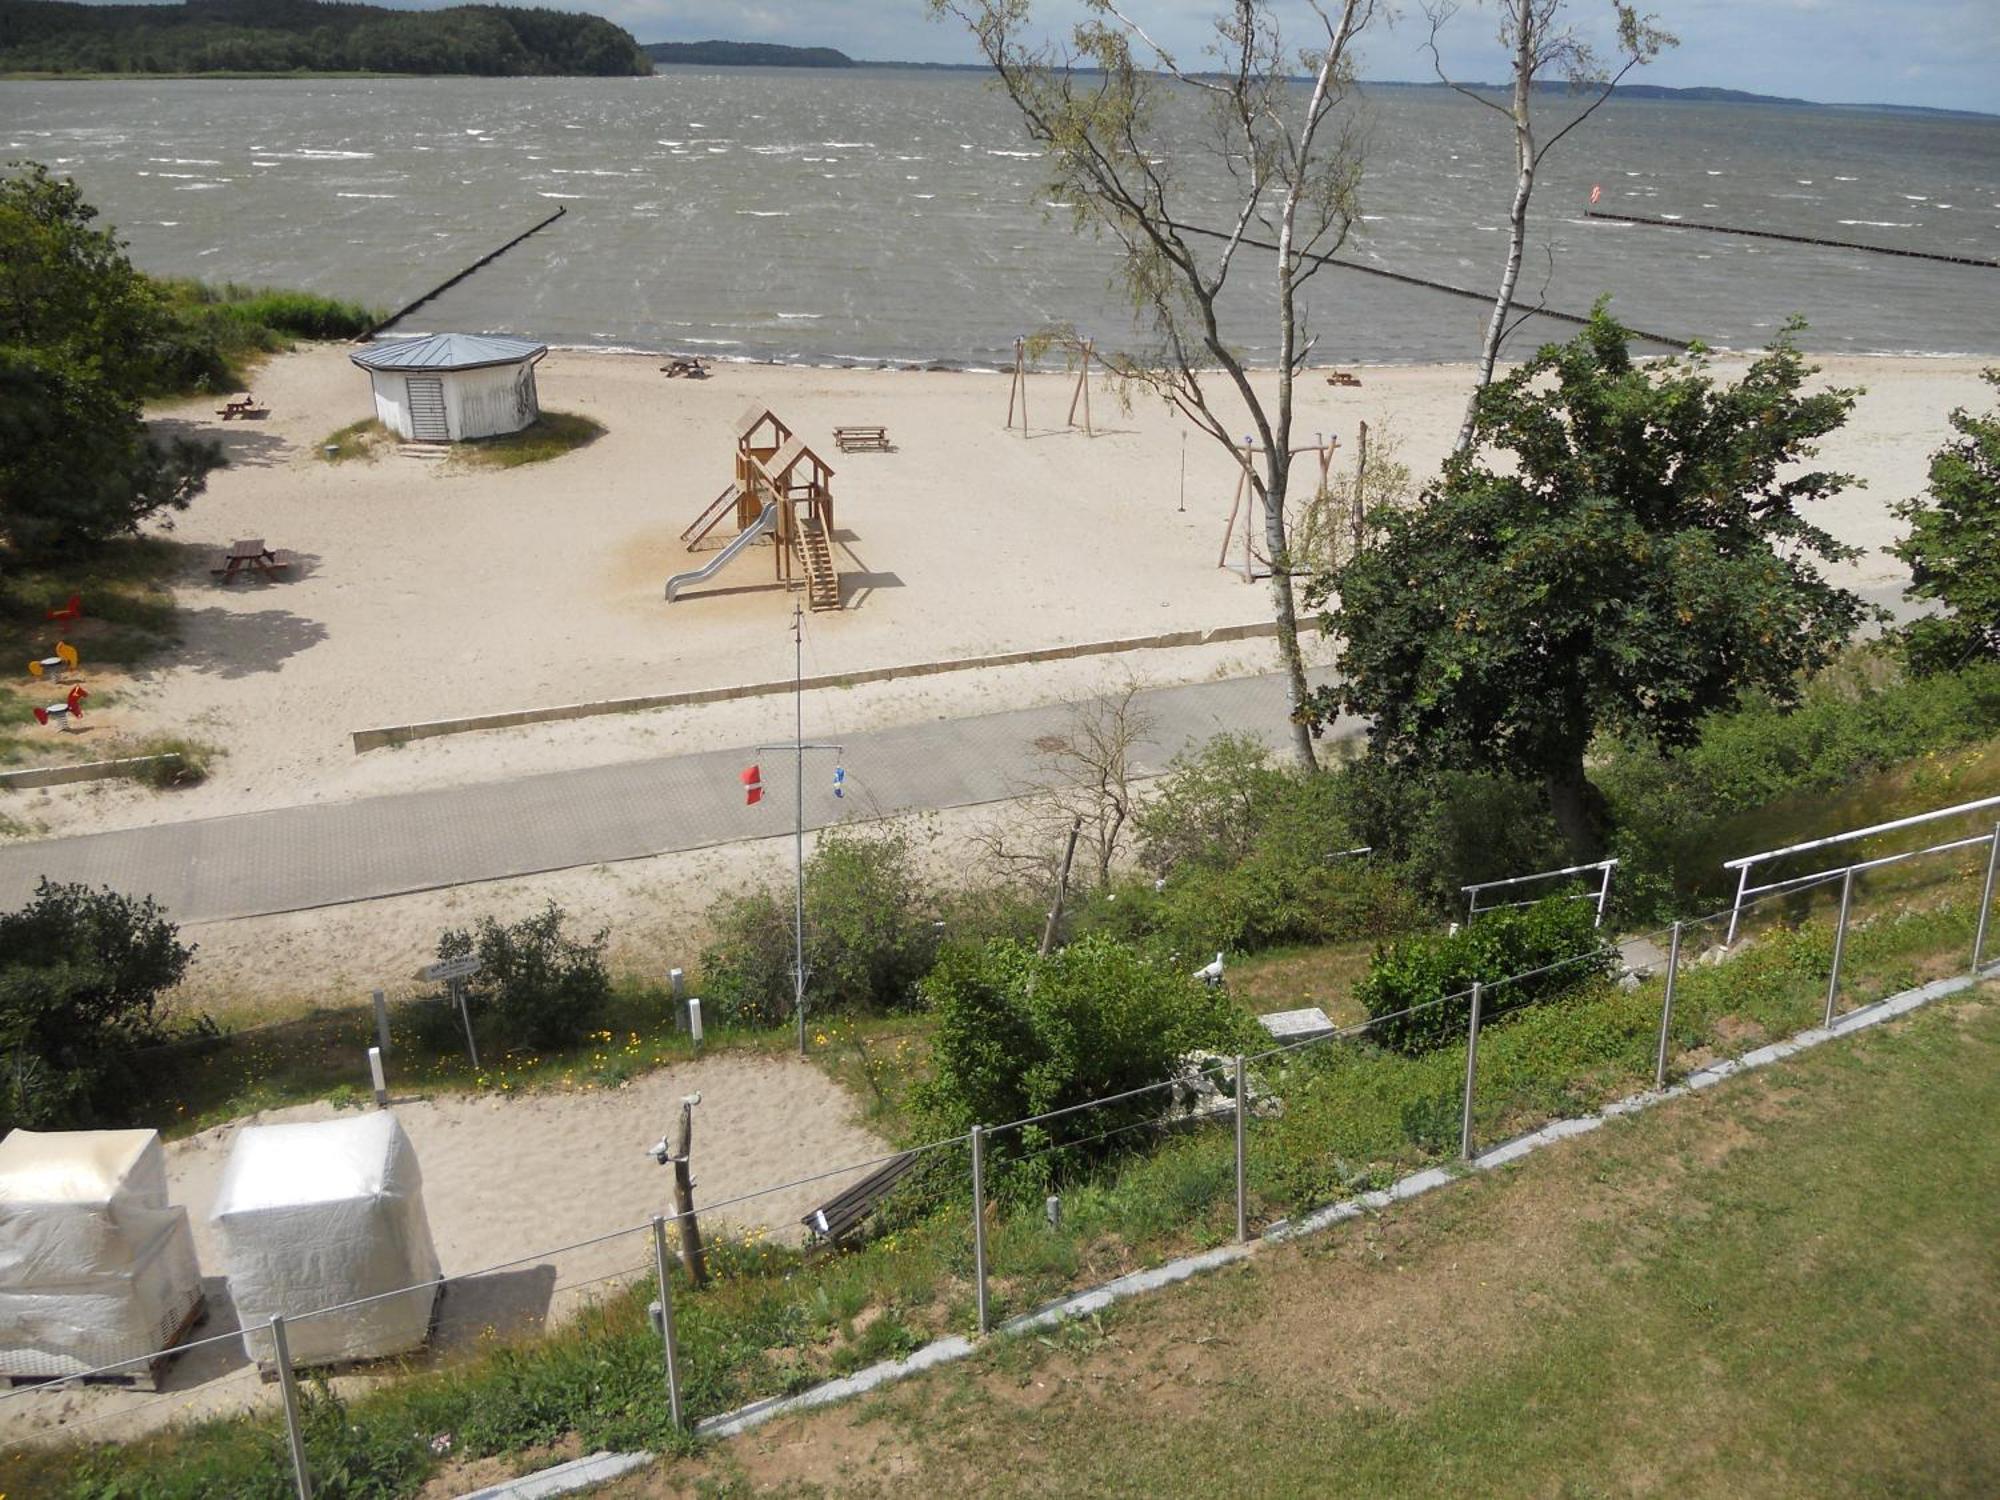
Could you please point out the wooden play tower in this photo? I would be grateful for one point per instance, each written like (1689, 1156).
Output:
(782, 490)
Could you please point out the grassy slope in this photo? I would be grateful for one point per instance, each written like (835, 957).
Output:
(1783, 1287)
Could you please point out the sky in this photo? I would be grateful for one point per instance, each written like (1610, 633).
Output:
(1943, 53)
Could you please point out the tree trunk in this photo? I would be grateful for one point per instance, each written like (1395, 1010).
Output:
(1525, 40)
(1284, 609)
(1579, 811)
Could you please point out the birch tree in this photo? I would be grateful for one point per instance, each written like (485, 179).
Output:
(1121, 118)
(1541, 40)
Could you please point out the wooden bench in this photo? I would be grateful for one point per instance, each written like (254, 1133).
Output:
(250, 555)
(1342, 377)
(862, 439)
(841, 1213)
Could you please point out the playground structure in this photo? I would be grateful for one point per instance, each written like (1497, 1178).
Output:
(1084, 351)
(1253, 564)
(782, 490)
(63, 663)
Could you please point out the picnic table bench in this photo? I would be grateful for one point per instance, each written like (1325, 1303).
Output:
(250, 553)
(848, 1207)
(244, 405)
(1343, 377)
(862, 439)
(688, 365)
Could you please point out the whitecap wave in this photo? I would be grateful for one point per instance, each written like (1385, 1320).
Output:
(1879, 223)
(765, 213)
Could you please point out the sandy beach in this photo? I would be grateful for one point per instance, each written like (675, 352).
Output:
(429, 590)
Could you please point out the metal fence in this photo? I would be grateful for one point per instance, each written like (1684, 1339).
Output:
(1222, 1102)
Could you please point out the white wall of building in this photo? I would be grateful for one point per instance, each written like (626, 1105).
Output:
(485, 403)
(391, 405)
(477, 403)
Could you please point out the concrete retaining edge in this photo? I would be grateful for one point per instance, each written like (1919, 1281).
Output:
(580, 1474)
(93, 770)
(402, 734)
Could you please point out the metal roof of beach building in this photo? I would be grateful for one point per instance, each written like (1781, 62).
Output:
(449, 351)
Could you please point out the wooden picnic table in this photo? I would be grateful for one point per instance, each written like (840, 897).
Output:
(242, 404)
(251, 554)
(862, 439)
(685, 365)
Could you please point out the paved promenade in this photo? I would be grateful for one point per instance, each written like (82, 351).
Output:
(297, 858)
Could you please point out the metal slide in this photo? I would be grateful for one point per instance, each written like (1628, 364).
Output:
(766, 519)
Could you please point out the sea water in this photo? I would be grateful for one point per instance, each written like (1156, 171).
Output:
(897, 216)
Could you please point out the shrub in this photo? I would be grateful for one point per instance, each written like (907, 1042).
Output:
(81, 973)
(869, 938)
(1211, 805)
(1554, 932)
(545, 988)
(1018, 1035)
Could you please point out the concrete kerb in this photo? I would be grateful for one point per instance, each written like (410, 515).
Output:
(91, 770)
(1083, 1304)
(403, 734)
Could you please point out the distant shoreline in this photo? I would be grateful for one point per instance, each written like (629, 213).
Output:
(1652, 93)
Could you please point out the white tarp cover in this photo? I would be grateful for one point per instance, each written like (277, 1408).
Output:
(315, 1215)
(95, 1267)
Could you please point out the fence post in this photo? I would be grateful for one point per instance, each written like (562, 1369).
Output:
(287, 1388)
(382, 1022)
(1471, 1072)
(1986, 903)
(1667, 1008)
(667, 1320)
(1242, 1190)
(1736, 906)
(979, 1218)
(1839, 943)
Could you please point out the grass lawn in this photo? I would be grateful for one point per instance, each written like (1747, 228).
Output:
(550, 435)
(1789, 1285)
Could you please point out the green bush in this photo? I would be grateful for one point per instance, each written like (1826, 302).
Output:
(1555, 932)
(869, 937)
(546, 989)
(1019, 1035)
(1859, 717)
(81, 974)
(1212, 804)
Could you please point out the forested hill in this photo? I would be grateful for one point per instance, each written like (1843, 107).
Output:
(283, 36)
(747, 55)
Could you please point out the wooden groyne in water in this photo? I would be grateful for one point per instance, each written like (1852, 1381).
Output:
(1794, 239)
(485, 260)
(1439, 286)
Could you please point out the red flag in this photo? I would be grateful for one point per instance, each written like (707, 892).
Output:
(753, 785)
(1596, 192)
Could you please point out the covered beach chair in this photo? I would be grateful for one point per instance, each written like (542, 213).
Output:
(316, 1215)
(95, 1266)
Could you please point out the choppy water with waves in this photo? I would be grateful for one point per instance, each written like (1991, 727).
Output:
(881, 215)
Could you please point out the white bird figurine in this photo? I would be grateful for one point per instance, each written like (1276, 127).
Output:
(1210, 973)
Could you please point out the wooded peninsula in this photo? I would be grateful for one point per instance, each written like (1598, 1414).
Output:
(286, 36)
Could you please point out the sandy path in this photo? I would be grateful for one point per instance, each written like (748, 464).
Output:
(504, 1179)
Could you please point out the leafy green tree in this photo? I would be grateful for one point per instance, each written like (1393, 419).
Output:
(1953, 548)
(82, 336)
(1623, 549)
(81, 974)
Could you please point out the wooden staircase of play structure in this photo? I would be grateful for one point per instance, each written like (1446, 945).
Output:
(822, 580)
(704, 523)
